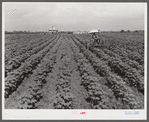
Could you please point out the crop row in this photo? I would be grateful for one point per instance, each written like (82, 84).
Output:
(64, 97)
(121, 68)
(130, 41)
(99, 96)
(22, 42)
(17, 61)
(135, 56)
(120, 90)
(19, 48)
(13, 39)
(15, 78)
(133, 59)
(131, 63)
(34, 92)
(130, 75)
(118, 48)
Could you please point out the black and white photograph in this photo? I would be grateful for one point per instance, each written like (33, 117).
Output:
(74, 59)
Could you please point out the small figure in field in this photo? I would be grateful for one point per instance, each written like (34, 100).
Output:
(96, 39)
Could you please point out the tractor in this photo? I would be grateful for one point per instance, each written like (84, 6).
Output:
(96, 41)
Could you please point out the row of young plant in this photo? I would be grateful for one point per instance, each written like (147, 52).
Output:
(120, 90)
(129, 75)
(16, 77)
(132, 42)
(16, 38)
(64, 96)
(99, 96)
(12, 51)
(109, 56)
(122, 56)
(34, 92)
(20, 43)
(133, 59)
(133, 64)
(135, 56)
(15, 62)
(119, 49)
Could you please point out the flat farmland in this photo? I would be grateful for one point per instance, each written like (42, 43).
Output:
(62, 71)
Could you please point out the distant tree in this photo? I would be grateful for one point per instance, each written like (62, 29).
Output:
(128, 30)
(136, 30)
(122, 31)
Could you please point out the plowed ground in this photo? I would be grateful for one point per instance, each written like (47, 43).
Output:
(63, 72)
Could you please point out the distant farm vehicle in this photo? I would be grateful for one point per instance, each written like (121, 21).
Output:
(95, 41)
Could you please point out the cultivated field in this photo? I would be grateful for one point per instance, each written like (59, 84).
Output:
(61, 71)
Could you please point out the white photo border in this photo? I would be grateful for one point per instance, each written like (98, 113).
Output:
(75, 114)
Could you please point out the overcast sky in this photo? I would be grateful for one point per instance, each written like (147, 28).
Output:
(74, 16)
